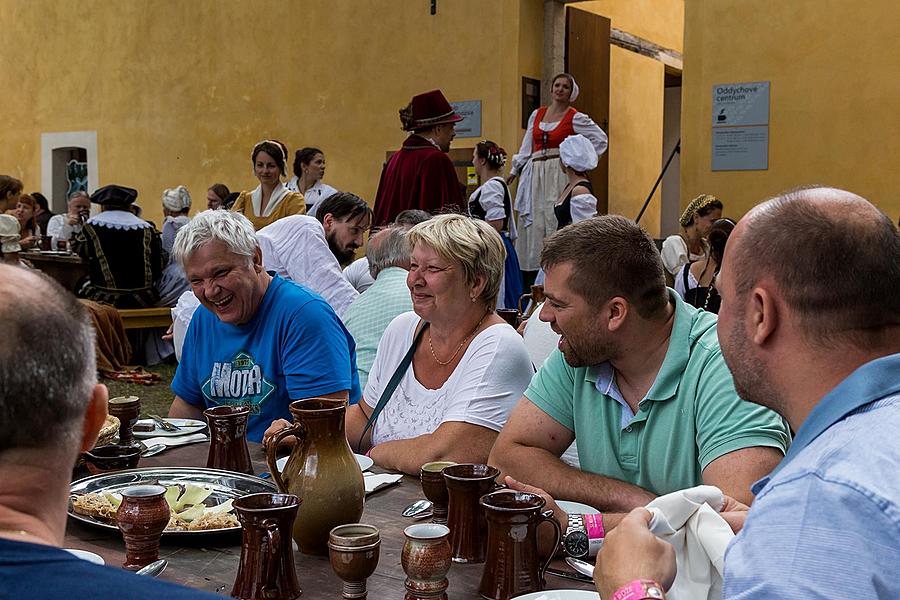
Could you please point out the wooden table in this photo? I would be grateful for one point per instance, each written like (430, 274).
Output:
(210, 562)
(67, 269)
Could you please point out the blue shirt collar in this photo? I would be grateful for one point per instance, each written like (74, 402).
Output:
(870, 382)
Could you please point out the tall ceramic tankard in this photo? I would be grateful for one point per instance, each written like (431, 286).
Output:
(512, 566)
(466, 483)
(228, 448)
(267, 568)
(321, 470)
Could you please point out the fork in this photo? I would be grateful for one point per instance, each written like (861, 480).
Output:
(164, 424)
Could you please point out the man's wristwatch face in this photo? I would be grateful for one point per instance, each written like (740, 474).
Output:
(575, 544)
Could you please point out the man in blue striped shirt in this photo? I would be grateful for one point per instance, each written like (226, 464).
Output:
(810, 327)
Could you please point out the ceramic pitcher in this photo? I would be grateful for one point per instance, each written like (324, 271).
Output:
(512, 566)
(321, 470)
(266, 569)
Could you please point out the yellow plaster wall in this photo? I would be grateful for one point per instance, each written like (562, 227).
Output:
(636, 99)
(179, 92)
(834, 69)
(658, 21)
(635, 134)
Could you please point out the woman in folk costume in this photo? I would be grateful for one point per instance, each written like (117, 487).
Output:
(309, 169)
(270, 200)
(123, 252)
(491, 202)
(577, 202)
(690, 244)
(537, 163)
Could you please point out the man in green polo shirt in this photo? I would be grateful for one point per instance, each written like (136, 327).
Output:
(638, 380)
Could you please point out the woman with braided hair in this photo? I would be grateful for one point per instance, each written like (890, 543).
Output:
(690, 244)
(270, 200)
(491, 202)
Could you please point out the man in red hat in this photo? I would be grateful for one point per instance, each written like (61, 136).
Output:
(421, 175)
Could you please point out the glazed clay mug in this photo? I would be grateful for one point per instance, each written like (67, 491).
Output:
(267, 568)
(512, 567)
(535, 297)
(141, 517)
(426, 560)
(321, 469)
(228, 448)
(435, 488)
(467, 483)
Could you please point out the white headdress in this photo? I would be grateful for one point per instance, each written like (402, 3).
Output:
(577, 152)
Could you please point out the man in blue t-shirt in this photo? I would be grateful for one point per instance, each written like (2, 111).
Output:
(257, 340)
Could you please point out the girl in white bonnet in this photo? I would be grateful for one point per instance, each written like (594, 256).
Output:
(176, 206)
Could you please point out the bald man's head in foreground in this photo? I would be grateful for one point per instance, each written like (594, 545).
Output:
(815, 269)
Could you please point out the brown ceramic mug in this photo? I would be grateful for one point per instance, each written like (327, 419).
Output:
(141, 517)
(535, 297)
(435, 488)
(354, 550)
(512, 566)
(466, 483)
(426, 560)
(266, 568)
(228, 448)
(127, 409)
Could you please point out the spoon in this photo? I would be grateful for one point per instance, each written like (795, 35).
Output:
(416, 508)
(154, 568)
(153, 450)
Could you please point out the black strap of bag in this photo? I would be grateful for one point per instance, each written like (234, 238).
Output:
(392, 385)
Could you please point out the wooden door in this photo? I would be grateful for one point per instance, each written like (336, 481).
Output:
(587, 59)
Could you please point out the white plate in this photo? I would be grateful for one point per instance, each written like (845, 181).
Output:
(85, 555)
(187, 426)
(364, 462)
(577, 508)
(561, 595)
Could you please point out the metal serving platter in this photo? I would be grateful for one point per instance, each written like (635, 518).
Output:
(225, 485)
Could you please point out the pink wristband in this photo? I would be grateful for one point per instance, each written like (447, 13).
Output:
(594, 525)
(369, 451)
(639, 589)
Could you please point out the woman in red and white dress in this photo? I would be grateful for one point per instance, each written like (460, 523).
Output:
(537, 164)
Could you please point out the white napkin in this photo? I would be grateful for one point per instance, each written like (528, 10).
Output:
(179, 440)
(690, 521)
(375, 482)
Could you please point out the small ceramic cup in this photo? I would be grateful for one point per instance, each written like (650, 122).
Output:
(426, 560)
(127, 409)
(354, 552)
(435, 488)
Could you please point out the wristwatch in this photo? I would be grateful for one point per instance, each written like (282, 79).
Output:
(575, 540)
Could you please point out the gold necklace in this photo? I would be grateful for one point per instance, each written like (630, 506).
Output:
(458, 348)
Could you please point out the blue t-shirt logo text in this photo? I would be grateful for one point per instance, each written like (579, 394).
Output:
(239, 381)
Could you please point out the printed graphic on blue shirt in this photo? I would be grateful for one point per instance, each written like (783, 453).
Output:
(239, 381)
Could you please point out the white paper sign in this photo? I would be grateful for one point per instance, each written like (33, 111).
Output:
(740, 126)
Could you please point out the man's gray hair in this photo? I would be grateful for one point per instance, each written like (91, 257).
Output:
(388, 249)
(46, 381)
(78, 194)
(231, 228)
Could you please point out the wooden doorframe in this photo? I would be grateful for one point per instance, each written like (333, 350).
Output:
(587, 59)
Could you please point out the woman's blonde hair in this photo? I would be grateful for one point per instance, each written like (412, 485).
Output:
(472, 243)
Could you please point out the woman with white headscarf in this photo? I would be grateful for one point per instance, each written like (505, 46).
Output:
(577, 202)
(537, 163)
(176, 206)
